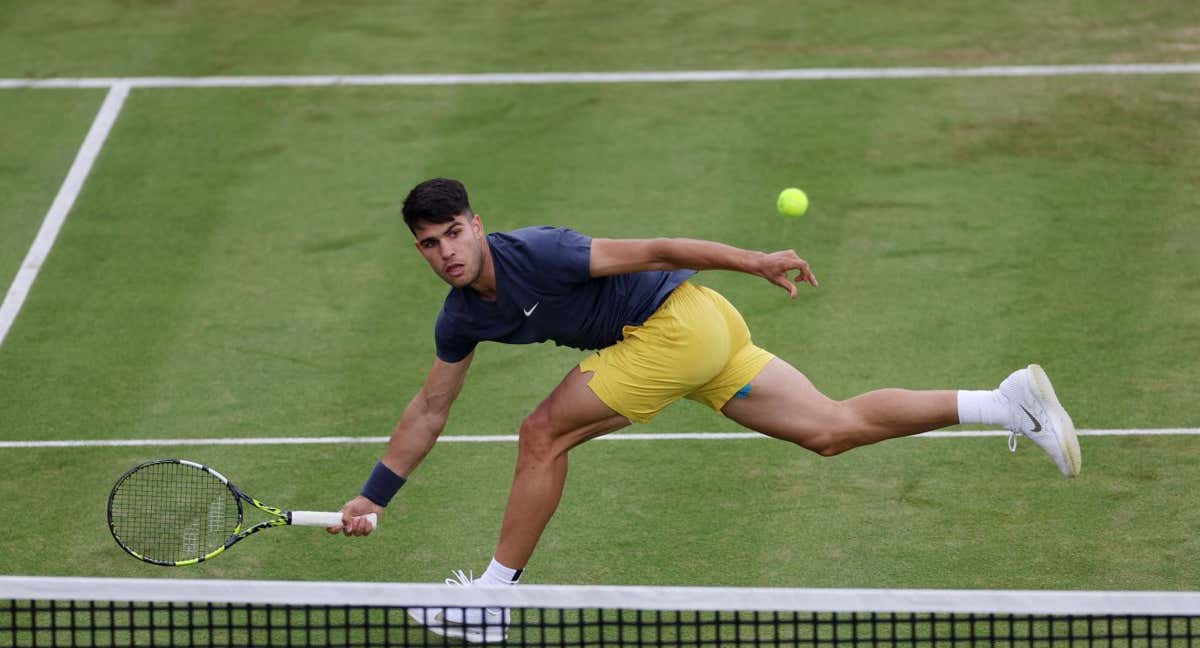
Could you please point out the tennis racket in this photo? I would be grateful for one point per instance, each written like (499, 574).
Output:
(174, 512)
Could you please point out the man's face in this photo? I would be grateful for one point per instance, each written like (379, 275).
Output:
(454, 250)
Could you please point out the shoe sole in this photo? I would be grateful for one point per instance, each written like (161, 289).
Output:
(1068, 441)
(469, 634)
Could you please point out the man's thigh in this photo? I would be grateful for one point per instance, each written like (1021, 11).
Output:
(572, 413)
(783, 403)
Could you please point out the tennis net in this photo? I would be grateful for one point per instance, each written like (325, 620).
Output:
(46, 611)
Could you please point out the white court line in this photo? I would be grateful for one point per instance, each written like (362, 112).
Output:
(61, 206)
(533, 78)
(512, 438)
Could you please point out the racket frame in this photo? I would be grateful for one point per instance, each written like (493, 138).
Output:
(279, 516)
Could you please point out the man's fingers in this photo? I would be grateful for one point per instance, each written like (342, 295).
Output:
(806, 274)
(779, 266)
(338, 529)
(808, 277)
(359, 525)
(783, 282)
(354, 525)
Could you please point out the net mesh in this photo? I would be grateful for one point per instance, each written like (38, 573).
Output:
(169, 511)
(72, 622)
(205, 624)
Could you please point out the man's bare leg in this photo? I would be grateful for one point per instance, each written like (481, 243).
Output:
(570, 415)
(783, 403)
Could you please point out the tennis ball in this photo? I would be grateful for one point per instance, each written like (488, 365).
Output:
(792, 202)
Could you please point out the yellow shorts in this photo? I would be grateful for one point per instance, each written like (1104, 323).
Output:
(695, 345)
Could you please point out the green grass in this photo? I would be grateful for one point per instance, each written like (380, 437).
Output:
(46, 131)
(959, 513)
(111, 37)
(236, 266)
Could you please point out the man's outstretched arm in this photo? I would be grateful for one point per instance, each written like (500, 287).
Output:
(622, 256)
(414, 436)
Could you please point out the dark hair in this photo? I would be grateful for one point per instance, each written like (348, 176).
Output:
(435, 201)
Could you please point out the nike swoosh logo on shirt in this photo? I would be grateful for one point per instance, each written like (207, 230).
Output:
(531, 309)
(1037, 425)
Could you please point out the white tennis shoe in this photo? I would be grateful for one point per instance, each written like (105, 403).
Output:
(470, 624)
(1035, 412)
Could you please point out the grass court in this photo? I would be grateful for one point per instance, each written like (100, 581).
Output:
(236, 266)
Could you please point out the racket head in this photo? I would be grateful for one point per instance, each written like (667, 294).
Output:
(173, 512)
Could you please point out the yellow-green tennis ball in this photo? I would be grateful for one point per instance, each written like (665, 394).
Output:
(792, 202)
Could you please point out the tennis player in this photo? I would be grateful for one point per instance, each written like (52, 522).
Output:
(655, 337)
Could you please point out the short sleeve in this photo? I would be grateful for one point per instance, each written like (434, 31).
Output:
(451, 345)
(576, 254)
(563, 253)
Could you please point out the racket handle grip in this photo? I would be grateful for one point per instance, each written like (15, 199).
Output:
(321, 519)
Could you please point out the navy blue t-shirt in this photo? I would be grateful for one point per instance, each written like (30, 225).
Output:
(544, 292)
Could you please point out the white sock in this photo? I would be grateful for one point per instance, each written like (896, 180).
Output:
(989, 407)
(498, 574)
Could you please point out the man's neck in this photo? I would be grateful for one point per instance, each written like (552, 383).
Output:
(485, 285)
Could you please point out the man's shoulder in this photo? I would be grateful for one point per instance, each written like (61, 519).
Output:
(539, 241)
(530, 235)
(546, 256)
(451, 332)
(454, 306)
(454, 317)
(459, 310)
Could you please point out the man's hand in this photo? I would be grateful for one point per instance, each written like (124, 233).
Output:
(774, 267)
(352, 522)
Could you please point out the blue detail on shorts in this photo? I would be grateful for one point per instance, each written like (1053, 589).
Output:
(744, 392)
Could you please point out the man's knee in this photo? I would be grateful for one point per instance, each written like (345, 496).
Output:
(826, 444)
(537, 441)
(839, 432)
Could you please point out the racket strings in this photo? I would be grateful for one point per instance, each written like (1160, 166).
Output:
(173, 512)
